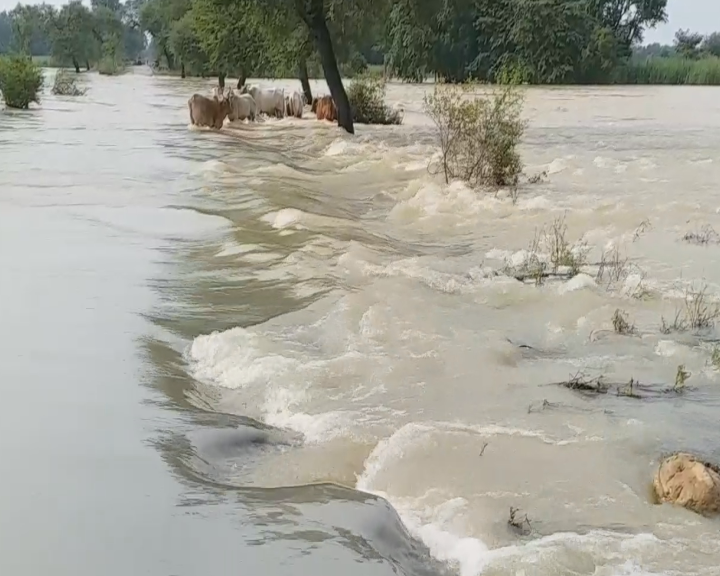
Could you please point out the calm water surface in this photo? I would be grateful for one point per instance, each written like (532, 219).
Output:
(280, 349)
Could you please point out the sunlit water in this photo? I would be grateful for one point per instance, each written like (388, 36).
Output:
(220, 348)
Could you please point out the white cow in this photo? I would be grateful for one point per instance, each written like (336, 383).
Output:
(242, 106)
(270, 101)
(294, 104)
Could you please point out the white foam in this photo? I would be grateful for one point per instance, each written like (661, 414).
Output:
(435, 524)
(424, 200)
(315, 428)
(284, 218)
(556, 166)
(234, 359)
(579, 282)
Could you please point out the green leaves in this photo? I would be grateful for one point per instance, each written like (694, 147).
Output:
(20, 81)
(231, 33)
(539, 41)
(185, 45)
(72, 34)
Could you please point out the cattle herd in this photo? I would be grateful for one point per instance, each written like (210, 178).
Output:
(248, 102)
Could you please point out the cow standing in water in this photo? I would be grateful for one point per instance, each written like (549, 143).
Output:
(294, 104)
(325, 109)
(209, 112)
(270, 101)
(242, 106)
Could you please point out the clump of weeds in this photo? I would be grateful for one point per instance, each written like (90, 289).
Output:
(621, 323)
(697, 313)
(703, 236)
(520, 524)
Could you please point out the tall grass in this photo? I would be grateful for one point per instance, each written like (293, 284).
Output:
(671, 71)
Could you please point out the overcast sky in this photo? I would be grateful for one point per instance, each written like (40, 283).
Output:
(698, 15)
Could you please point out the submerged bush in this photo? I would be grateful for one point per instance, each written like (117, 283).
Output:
(478, 134)
(367, 100)
(65, 84)
(110, 66)
(112, 62)
(20, 81)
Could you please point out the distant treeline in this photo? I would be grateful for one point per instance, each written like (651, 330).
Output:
(509, 41)
(74, 35)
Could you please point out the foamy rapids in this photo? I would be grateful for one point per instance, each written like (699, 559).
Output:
(427, 367)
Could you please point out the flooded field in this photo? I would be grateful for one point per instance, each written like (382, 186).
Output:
(282, 349)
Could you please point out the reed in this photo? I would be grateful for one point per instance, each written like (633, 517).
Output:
(672, 71)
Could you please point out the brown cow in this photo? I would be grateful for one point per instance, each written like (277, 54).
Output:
(325, 109)
(206, 111)
(313, 106)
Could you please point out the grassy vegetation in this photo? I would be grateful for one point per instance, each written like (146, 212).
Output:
(672, 71)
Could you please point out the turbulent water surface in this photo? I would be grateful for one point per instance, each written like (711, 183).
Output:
(279, 349)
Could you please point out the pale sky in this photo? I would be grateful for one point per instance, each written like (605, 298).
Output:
(698, 15)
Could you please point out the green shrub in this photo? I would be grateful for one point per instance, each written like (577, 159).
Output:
(20, 81)
(109, 65)
(478, 134)
(367, 100)
(112, 62)
(65, 84)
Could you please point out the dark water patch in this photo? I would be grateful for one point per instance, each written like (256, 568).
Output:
(330, 514)
(230, 457)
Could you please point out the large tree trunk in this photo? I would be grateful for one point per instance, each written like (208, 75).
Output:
(182, 69)
(76, 64)
(304, 80)
(241, 79)
(221, 80)
(318, 27)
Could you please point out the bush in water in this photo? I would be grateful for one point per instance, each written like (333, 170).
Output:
(110, 66)
(367, 100)
(112, 62)
(479, 135)
(65, 84)
(20, 81)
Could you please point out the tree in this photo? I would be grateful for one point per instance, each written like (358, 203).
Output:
(6, 32)
(409, 40)
(711, 44)
(314, 13)
(72, 35)
(628, 19)
(233, 35)
(687, 44)
(185, 46)
(157, 18)
(24, 23)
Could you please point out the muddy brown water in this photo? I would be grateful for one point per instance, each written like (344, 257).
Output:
(279, 349)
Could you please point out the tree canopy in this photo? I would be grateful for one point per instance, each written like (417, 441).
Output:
(533, 41)
(73, 34)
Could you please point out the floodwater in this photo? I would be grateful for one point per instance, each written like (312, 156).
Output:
(279, 349)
